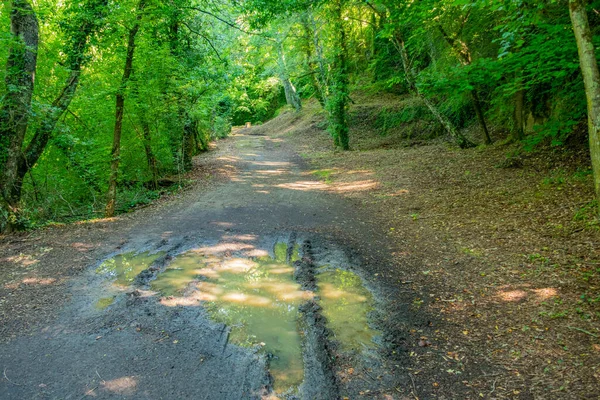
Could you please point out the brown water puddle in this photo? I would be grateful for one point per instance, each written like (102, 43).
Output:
(125, 267)
(258, 299)
(346, 304)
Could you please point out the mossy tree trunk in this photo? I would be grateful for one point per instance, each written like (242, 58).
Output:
(16, 105)
(591, 79)
(119, 111)
(150, 157)
(339, 96)
(460, 139)
(464, 54)
(291, 95)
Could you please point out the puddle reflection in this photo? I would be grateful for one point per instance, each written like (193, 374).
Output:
(125, 267)
(346, 304)
(257, 298)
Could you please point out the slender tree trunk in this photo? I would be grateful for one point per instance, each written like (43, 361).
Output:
(322, 75)
(591, 79)
(189, 147)
(480, 116)
(15, 108)
(518, 131)
(310, 61)
(150, 157)
(338, 99)
(291, 96)
(464, 54)
(119, 109)
(460, 139)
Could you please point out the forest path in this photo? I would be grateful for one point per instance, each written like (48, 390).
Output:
(134, 326)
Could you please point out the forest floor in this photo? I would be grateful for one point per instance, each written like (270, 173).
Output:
(503, 255)
(484, 279)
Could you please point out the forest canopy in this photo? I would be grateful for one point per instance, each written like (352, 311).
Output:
(104, 103)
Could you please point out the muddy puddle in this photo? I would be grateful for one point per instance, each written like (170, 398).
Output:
(258, 299)
(124, 268)
(346, 304)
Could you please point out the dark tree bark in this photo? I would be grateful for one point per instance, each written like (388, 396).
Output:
(119, 110)
(591, 79)
(79, 33)
(16, 105)
(150, 157)
(460, 139)
(189, 143)
(464, 54)
(338, 100)
(518, 131)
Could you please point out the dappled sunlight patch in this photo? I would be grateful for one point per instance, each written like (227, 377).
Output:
(272, 163)
(38, 281)
(237, 265)
(397, 193)
(25, 260)
(95, 221)
(364, 172)
(272, 171)
(545, 293)
(357, 186)
(303, 185)
(124, 386)
(247, 299)
(241, 237)
(83, 246)
(228, 158)
(512, 295)
(181, 301)
(256, 253)
(226, 247)
(223, 224)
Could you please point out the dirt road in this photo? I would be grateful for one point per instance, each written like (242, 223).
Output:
(218, 294)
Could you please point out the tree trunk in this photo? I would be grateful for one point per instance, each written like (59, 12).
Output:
(188, 142)
(464, 54)
(150, 157)
(338, 99)
(460, 139)
(322, 75)
(119, 109)
(310, 61)
(591, 79)
(518, 131)
(291, 96)
(15, 109)
(480, 117)
(92, 12)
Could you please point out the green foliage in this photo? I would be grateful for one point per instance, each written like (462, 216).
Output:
(207, 68)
